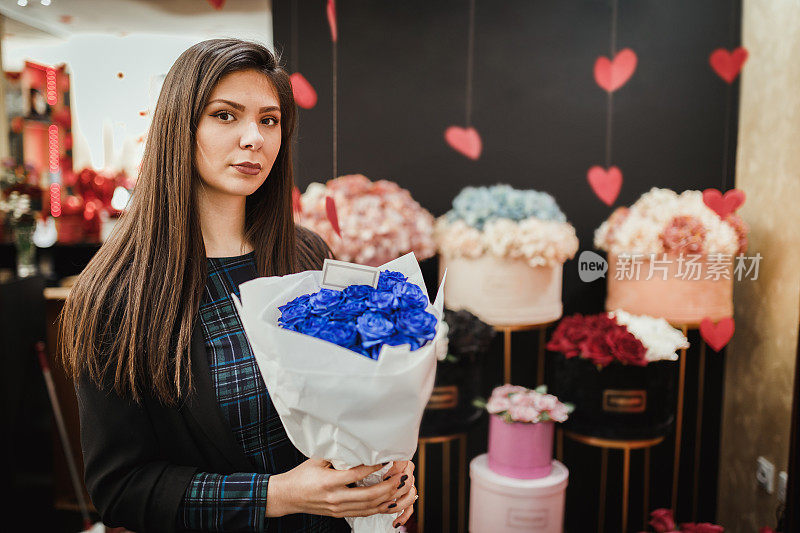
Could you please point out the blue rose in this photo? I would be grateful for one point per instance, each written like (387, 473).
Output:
(415, 323)
(300, 300)
(312, 325)
(400, 339)
(357, 292)
(374, 328)
(348, 310)
(381, 301)
(292, 314)
(409, 295)
(338, 332)
(322, 302)
(388, 278)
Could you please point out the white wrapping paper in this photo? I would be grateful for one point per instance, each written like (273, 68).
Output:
(336, 404)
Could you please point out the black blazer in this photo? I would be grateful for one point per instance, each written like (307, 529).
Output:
(139, 458)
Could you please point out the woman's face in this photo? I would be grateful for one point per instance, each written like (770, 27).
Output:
(239, 134)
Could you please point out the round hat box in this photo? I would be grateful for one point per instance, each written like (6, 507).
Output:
(617, 401)
(675, 291)
(503, 292)
(499, 504)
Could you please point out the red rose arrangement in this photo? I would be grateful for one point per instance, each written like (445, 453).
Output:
(662, 521)
(599, 338)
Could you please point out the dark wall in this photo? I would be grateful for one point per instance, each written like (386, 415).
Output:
(542, 118)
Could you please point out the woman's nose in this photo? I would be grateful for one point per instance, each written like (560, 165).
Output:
(251, 137)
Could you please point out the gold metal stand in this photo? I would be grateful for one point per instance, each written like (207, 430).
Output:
(507, 331)
(698, 437)
(676, 463)
(626, 446)
(445, 441)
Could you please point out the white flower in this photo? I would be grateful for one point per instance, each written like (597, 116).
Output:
(649, 216)
(661, 340)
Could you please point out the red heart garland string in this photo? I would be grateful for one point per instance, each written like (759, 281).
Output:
(611, 75)
(727, 64)
(333, 218)
(606, 184)
(331, 12)
(717, 335)
(465, 141)
(304, 94)
(723, 205)
(217, 4)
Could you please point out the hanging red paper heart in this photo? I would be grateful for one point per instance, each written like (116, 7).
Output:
(465, 141)
(217, 4)
(726, 64)
(304, 94)
(717, 335)
(330, 9)
(333, 218)
(611, 75)
(606, 184)
(723, 205)
(297, 206)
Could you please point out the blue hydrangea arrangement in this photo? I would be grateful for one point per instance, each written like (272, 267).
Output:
(362, 318)
(478, 205)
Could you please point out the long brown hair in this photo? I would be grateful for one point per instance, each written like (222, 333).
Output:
(130, 315)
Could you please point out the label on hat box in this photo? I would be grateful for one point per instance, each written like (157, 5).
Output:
(624, 401)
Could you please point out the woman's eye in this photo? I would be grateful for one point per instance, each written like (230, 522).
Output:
(273, 119)
(222, 114)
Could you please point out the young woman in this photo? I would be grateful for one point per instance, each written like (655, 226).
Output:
(177, 427)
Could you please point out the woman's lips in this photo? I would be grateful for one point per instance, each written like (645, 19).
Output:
(249, 170)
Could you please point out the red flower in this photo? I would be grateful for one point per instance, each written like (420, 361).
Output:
(703, 527)
(662, 521)
(626, 348)
(569, 333)
(596, 348)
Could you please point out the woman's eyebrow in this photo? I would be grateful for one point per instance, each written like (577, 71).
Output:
(240, 107)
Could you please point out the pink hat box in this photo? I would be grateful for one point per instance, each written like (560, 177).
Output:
(500, 504)
(678, 300)
(503, 292)
(520, 450)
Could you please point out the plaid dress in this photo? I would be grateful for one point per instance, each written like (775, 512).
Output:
(237, 502)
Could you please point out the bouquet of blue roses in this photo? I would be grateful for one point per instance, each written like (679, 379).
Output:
(363, 318)
(349, 364)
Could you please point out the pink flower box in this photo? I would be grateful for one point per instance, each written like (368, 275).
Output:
(520, 450)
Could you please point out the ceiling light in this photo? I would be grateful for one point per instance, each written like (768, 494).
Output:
(22, 3)
(45, 2)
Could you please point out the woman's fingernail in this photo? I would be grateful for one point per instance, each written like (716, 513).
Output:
(401, 485)
(386, 478)
(405, 477)
(392, 505)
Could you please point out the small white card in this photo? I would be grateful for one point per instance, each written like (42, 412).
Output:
(339, 274)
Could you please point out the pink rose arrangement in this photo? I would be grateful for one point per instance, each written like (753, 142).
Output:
(662, 221)
(379, 220)
(617, 336)
(662, 521)
(515, 403)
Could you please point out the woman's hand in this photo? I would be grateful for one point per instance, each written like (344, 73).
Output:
(314, 487)
(406, 493)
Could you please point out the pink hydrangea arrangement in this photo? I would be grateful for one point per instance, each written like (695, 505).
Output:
(515, 403)
(379, 220)
(663, 221)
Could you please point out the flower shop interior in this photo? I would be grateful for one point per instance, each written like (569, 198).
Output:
(610, 186)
